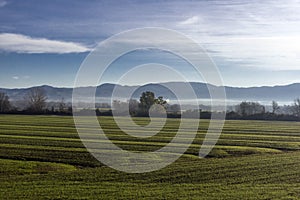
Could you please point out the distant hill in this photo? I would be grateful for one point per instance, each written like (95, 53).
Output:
(264, 93)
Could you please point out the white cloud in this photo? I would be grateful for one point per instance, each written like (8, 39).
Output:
(3, 3)
(190, 21)
(260, 34)
(20, 77)
(24, 44)
(273, 53)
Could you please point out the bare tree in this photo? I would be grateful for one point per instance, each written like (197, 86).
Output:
(4, 103)
(296, 107)
(36, 100)
(62, 106)
(275, 107)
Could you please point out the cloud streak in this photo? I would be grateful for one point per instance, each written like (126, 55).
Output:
(190, 21)
(18, 43)
(3, 3)
(273, 53)
(260, 35)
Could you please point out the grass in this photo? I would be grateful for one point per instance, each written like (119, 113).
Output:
(42, 157)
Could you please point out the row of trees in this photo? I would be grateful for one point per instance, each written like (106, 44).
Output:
(251, 108)
(245, 110)
(35, 101)
(254, 110)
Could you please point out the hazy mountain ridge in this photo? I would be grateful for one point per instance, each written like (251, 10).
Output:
(264, 93)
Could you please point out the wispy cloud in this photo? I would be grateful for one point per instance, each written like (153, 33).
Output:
(241, 36)
(273, 53)
(17, 77)
(25, 44)
(3, 3)
(190, 21)
(260, 34)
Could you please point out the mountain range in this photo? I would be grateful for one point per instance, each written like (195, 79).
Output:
(286, 93)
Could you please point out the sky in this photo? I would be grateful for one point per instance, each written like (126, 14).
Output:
(253, 43)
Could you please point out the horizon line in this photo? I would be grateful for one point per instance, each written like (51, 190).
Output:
(139, 85)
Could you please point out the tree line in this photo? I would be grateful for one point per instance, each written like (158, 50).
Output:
(257, 111)
(35, 102)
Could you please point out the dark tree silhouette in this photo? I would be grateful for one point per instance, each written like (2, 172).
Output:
(62, 106)
(147, 100)
(275, 107)
(160, 101)
(296, 107)
(5, 105)
(250, 108)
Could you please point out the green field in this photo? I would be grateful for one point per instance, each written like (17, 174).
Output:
(42, 157)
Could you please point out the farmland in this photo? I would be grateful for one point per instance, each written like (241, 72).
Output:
(42, 157)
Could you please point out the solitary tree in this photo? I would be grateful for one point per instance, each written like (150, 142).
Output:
(275, 107)
(4, 103)
(147, 100)
(36, 100)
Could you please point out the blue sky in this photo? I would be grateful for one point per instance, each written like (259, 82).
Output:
(253, 43)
